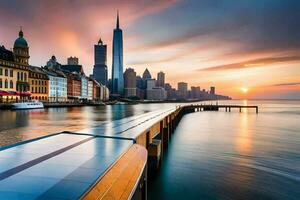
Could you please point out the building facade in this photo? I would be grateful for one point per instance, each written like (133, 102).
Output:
(39, 83)
(195, 92)
(117, 62)
(90, 89)
(73, 61)
(14, 85)
(73, 86)
(57, 85)
(84, 87)
(212, 90)
(160, 79)
(182, 90)
(129, 83)
(100, 59)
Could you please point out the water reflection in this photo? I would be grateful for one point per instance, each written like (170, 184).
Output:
(26, 124)
(243, 138)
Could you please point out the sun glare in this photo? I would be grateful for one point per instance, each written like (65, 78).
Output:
(244, 90)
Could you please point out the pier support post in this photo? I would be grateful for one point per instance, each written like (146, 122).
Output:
(240, 109)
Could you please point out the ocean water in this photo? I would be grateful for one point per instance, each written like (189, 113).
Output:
(232, 155)
(212, 155)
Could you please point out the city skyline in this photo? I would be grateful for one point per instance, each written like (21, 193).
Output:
(227, 53)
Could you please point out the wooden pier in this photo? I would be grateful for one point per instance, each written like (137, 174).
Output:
(216, 107)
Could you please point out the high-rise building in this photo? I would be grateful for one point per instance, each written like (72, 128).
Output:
(160, 79)
(146, 74)
(117, 62)
(182, 90)
(195, 92)
(73, 61)
(100, 67)
(212, 90)
(129, 83)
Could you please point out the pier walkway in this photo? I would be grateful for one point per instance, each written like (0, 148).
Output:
(104, 162)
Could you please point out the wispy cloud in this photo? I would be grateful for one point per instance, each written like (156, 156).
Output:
(260, 62)
(287, 84)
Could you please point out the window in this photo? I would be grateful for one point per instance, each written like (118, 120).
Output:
(25, 76)
(1, 71)
(18, 75)
(6, 84)
(21, 76)
(11, 73)
(11, 84)
(32, 89)
(39, 82)
(36, 82)
(0, 83)
(6, 72)
(32, 82)
(35, 89)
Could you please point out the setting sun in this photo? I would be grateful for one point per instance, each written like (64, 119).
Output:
(244, 90)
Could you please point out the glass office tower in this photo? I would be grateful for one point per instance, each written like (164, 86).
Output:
(117, 62)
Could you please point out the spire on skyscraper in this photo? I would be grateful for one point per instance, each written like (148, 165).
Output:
(118, 24)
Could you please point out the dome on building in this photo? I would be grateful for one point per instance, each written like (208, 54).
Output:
(20, 41)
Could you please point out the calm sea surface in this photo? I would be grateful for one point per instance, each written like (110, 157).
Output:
(212, 155)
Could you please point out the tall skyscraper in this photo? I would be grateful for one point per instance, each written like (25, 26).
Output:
(160, 79)
(130, 82)
(182, 90)
(212, 90)
(100, 68)
(117, 62)
(146, 74)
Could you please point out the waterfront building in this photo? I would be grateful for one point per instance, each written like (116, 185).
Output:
(100, 67)
(96, 90)
(73, 61)
(84, 87)
(130, 82)
(73, 86)
(195, 92)
(90, 89)
(21, 55)
(117, 62)
(39, 83)
(14, 71)
(160, 79)
(182, 90)
(155, 93)
(212, 90)
(171, 92)
(57, 85)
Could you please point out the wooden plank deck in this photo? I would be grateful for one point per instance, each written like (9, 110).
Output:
(119, 181)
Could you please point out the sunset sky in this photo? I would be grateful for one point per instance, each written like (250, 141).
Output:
(246, 49)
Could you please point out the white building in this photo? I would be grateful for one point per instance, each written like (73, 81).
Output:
(155, 93)
(57, 85)
(84, 87)
(90, 89)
